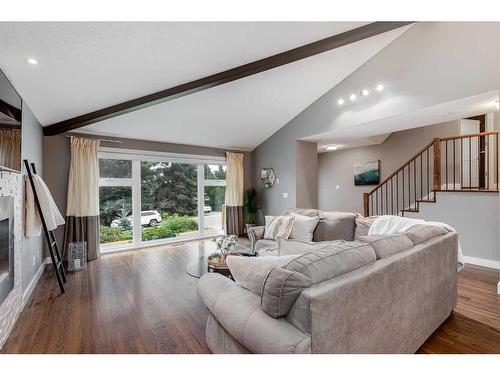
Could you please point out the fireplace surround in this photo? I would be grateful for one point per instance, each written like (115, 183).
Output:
(6, 246)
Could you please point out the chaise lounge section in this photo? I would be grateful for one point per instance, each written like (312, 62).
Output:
(377, 294)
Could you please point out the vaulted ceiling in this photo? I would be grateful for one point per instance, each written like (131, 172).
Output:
(83, 67)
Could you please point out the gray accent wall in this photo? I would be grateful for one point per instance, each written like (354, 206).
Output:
(335, 169)
(56, 153)
(33, 247)
(473, 215)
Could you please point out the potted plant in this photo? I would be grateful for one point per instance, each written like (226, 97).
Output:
(250, 207)
(224, 244)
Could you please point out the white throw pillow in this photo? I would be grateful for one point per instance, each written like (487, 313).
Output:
(278, 226)
(250, 272)
(303, 227)
(299, 247)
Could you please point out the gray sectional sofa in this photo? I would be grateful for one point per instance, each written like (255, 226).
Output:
(331, 226)
(374, 294)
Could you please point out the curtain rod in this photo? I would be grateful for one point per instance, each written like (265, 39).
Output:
(101, 139)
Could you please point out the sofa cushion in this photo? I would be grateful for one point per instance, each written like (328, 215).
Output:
(422, 232)
(386, 245)
(362, 225)
(278, 226)
(303, 227)
(335, 226)
(291, 247)
(250, 272)
(283, 284)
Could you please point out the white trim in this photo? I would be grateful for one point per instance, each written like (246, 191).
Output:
(126, 154)
(112, 181)
(201, 199)
(136, 202)
(498, 288)
(34, 282)
(482, 262)
(156, 243)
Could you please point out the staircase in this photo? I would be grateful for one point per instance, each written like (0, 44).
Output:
(465, 163)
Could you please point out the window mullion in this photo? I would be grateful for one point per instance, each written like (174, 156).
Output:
(201, 198)
(136, 201)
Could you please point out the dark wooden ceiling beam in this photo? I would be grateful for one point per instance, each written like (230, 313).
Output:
(259, 66)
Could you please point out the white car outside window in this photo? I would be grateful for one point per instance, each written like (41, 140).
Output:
(148, 218)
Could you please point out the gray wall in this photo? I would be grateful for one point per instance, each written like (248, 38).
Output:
(307, 172)
(473, 215)
(424, 67)
(336, 168)
(33, 248)
(56, 156)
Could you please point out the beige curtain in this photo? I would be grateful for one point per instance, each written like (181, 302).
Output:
(10, 148)
(82, 212)
(234, 194)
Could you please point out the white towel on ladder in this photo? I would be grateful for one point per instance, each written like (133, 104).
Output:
(51, 214)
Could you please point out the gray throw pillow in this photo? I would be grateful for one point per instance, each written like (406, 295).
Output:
(335, 226)
(363, 225)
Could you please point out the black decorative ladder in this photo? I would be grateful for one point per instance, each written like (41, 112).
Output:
(55, 255)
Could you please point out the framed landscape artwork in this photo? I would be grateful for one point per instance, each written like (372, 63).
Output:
(366, 172)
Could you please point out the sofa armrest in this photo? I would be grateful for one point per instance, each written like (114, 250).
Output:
(255, 234)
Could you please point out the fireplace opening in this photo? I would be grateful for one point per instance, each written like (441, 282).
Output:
(6, 246)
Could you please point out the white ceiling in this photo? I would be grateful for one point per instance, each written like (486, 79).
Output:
(87, 66)
(376, 131)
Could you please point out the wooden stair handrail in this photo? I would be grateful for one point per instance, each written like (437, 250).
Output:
(401, 168)
(437, 144)
(473, 135)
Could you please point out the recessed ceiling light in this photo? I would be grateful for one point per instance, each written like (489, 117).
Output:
(340, 101)
(332, 147)
(353, 97)
(32, 61)
(380, 87)
(365, 92)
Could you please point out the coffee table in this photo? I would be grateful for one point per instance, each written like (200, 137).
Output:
(201, 266)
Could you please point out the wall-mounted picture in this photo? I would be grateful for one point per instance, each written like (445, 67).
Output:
(366, 172)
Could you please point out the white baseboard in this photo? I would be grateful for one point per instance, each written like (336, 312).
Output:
(34, 281)
(482, 262)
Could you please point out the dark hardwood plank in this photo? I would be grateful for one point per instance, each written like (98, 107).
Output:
(144, 302)
(230, 75)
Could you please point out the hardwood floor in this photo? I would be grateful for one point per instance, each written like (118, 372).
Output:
(144, 302)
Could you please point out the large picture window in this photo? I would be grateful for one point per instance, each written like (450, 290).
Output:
(156, 198)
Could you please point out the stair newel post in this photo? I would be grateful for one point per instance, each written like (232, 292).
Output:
(366, 204)
(437, 164)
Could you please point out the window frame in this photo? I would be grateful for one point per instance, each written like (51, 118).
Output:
(136, 156)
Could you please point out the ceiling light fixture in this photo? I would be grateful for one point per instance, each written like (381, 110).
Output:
(365, 92)
(353, 97)
(340, 101)
(32, 61)
(332, 147)
(497, 104)
(380, 87)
